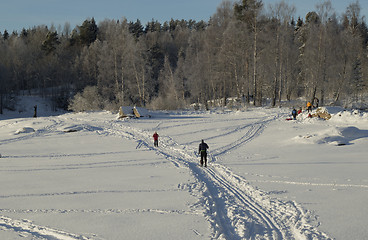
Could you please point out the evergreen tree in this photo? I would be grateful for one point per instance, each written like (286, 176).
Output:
(49, 45)
(299, 24)
(136, 28)
(247, 11)
(88, 32)
(153, 26)
(5, 35)
(357, 84)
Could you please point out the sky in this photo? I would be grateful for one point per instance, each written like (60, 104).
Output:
(19, 14)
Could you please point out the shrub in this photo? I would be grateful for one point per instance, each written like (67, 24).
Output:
(88, 100)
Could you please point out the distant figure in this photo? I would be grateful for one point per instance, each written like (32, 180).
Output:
(309, 106)
(315, 102)
(155, 139)
(203, 151)
(35, 111)
(294, 113)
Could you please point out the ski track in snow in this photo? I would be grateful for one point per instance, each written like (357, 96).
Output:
(26, 227)
(233, 208)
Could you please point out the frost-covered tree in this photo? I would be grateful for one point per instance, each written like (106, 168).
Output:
(88, 100)
(249, 11)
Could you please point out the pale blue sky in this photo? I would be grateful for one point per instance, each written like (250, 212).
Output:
(18, 14)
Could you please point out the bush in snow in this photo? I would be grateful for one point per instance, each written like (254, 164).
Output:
(166, 103)
(88, 100)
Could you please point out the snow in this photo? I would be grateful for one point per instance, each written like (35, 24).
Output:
(24, 130)
(94, 176)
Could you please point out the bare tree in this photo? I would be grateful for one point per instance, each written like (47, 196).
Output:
(281, 15)
(234, 57)
(249, 11)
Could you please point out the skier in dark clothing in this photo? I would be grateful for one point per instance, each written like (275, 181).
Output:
(294, 113)
(203, 151)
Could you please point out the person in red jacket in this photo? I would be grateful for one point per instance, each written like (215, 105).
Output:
(155, 139)
(300, 111)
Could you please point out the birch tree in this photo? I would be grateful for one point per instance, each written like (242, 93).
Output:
(249, 11)
(282, 13)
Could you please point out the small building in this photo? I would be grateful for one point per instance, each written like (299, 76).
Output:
(126, 111)
(141, 112)
(133, 112)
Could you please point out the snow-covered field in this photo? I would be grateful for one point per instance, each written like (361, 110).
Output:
(93, 176)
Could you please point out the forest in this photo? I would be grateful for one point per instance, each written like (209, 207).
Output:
(246, 52)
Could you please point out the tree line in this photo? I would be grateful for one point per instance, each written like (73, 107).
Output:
(247, 52)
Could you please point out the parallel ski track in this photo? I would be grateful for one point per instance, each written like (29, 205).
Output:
(215, 182)
(253, 130)
(256, 210)
(222, 219)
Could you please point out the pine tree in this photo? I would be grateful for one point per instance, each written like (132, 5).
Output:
(136, 28)
(357, 80)
(49, 45)
(88, 32)
(5, 35)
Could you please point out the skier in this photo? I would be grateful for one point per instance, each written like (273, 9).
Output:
(155, 139)
(294, 113)
(203, 151)
(309, 106)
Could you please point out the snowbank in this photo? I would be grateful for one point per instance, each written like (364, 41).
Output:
(25, 130)
(338, 136)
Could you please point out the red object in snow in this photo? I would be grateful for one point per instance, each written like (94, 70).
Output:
(155, 136)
